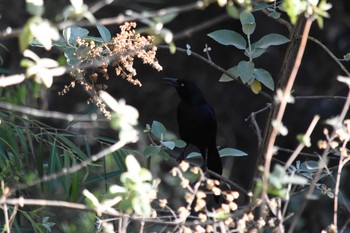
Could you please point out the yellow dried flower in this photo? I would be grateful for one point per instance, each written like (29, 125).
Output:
(163, 202)
(201, 194)
(202, 217)
(199, 229)
(183, 212)
(185, 183)
(200, 204)
(216, 191)
(188, 197)
(184, 165)
(233, 206)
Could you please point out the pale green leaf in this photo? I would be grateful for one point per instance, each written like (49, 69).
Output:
(269, 40)
(231, 152)
(168, 144)
(104, 32)
(71, 34)
(248, 22)
(232, 71)
(158, 129)
(245, 70)
(151, 151)
(228, 37)
(265, 78)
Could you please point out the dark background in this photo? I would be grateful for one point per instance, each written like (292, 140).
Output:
(232, 101)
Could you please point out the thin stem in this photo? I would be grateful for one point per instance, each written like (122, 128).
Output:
(283, 105)
(337, 60)
(7, 222)
(302, 144)
(337, 183)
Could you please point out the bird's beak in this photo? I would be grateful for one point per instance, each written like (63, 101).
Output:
(171, 81)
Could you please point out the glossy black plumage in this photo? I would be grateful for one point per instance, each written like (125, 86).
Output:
(197, 122)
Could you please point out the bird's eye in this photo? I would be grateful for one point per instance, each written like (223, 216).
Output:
(182, 84)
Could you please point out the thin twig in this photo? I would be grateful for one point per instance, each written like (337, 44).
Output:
(330, 54)
(302, 144)
(342, 162)
(50, 114)
(214, 65)
(283, 105)
(253, 121)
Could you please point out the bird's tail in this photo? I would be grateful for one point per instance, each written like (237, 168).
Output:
(214, 160)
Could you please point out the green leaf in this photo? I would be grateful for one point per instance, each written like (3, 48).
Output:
(25, 37)
(179, 143)
(245, 70)
(256, 52)
(260, 6)
(347, 57)
(168, 144)
(232, 71)
(71, 34)
(164, 154)
(228, 37)
(193, 155)
(158, 129)
(269, 40)
(104, 32)
(275, 15)
(265, 78)
(151, 151)
(232, 11)
(71, 58)
(248, 22)
(231, 152)
(309, 166)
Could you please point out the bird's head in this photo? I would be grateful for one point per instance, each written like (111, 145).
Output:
(187, 90)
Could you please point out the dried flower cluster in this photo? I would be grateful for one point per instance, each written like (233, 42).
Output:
(119, 53)
(196, 200)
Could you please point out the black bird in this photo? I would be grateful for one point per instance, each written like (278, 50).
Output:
(197, 122)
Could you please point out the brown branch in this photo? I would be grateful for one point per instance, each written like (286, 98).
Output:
(288, 63)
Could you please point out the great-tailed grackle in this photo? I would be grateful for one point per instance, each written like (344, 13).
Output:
(197, 122)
